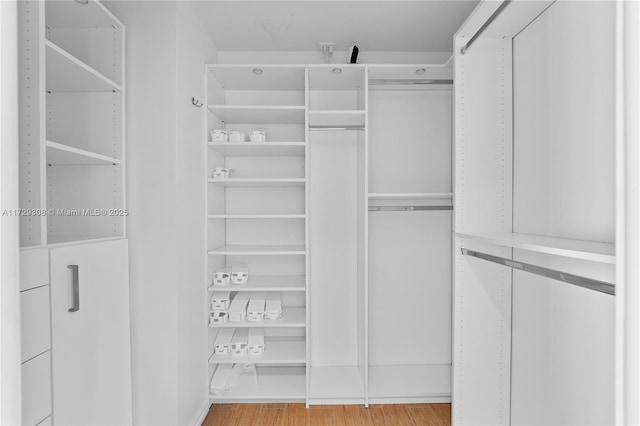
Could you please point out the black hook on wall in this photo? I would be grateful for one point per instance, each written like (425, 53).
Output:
(196, 102)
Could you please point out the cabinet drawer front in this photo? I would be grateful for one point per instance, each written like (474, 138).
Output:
(34, 268)
(36, 389)
(35, 322)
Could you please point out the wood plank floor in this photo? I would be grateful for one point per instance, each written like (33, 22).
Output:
(328, 415)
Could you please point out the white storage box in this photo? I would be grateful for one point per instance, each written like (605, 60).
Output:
(222, 344)
(220, 173)
(273, 306)
(255, 310)
(236, 136)
(218, 317)
(239, 274)
(220, 382)
(220, 300)
(219, 135)
(258, 136)
(239, 342)
(221, 278)
(238, 307)
(255, 342)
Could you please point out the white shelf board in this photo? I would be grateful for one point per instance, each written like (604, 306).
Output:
(259, 114)
(250, 250)
(410, 195)
(71, 15)
(59, 154)
(65, 73)
(259, 149)
(576, 249)
(322, 77)
(259, 182)
(277, 350)
(273, 77)
(335, 382)
(291, 317)
(274, 384)
(409, 380)
(408, 72)
(336, 117)
(267, 283)
(257, 216)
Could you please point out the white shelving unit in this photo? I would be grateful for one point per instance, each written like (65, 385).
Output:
(59, 154)
(258, 217)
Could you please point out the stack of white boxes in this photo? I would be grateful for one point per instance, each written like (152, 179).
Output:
(255, 343)
(239, 274)
(239, 342)
(238, 308)
(255, 310)
(273, 306)
(221, 278)
(219, 306)
(222, 344)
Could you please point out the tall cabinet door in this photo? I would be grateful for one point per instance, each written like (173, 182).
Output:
(91, 336)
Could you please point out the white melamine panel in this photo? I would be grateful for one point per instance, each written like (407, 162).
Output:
(87, 121)
(410, 284)
(564, 149)
(411, 72)
(563, 351)
(273, 77)
(329, 382)
(410, 141)
(389, 381)
(256, 149)
(34, 268)
(259, 114)
(269, 265)
(333, 249)
(324, 78)
(268, 283)
(258, 182)
(279, 384)
(64, 155)
(337, 118)
(261, 167)
(259, 250)
(63, 14)
(265, 200)
(322, 100)
(258, 231)
(36, 389)
(91, 347)
(264, 97)
(35, 322)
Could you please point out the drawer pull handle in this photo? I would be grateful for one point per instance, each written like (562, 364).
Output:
(75, 288)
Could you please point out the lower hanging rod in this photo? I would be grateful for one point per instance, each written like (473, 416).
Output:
(407, 208)
(330, 127)
(584, 282)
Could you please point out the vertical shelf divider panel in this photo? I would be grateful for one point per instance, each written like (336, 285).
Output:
(258, 216)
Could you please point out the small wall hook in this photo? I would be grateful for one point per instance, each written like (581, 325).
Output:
(196, 102)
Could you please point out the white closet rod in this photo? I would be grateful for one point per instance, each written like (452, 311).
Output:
(407, 208)
(584, 282)
(347, 127)
(405, 82)
(484, 26)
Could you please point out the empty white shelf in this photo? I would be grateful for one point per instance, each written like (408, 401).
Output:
(273, 77)
(274, 384)
(328, 382)
(576, 249)
(291, 317)
(246, 250)
(65, 73)
(259, 182)
(259, 149)
(257, 216)
(410, 195)
(322, 77)
(259, 114)
(277, 350)
(71, 15)
(409, 381)
(336, 118)
(59, 154)
(267, 283)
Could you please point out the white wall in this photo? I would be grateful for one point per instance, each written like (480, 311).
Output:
(10, 391)
(166, 51)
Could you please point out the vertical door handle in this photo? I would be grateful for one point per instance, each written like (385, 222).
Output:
(75, 288)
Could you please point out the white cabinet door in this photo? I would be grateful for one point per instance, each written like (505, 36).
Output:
(90, 326)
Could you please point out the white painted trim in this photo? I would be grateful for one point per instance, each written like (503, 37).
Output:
(203, 414)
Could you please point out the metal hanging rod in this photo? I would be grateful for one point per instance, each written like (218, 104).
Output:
(584, 282)
(329, 127)
(484, 26)
(407, 208)
(400, 81)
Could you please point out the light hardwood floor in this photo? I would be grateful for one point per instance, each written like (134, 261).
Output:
(328, 415)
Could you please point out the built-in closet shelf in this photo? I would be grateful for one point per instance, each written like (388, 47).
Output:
(75, 15)
(575, 249)
(259, 114)
(259, 182)
(410, 195)
(291, 317)
(258, 250)
(277, 350)
(336, 117)
(66, 73)
(56, 241)
(267, 283)
(274, 384)
(274, 77)
(409, 381)
(59, 154)
(257, 216)
(259, 149)
(328, 382)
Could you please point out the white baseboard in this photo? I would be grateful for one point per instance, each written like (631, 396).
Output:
(203, 414)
